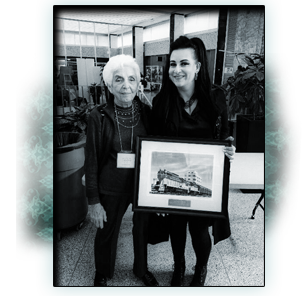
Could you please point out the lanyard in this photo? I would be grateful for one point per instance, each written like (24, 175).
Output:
(119, 128)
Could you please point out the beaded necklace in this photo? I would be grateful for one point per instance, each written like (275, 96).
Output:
(128, 117)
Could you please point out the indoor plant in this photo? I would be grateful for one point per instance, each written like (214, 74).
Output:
(245, 93)
(74, 122)
(70, 203)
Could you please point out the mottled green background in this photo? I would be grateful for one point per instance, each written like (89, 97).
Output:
(35, 166)
(35, 162)
(283, 157)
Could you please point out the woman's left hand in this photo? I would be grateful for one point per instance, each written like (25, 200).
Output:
(230, 151)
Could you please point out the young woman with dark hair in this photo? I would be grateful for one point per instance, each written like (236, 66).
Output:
(186, 107)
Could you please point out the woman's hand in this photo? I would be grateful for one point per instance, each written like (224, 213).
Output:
(230, 151)
(97, 215)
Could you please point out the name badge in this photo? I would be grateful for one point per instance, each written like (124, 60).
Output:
(126, 160)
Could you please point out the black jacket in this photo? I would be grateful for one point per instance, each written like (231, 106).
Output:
(100, 133)
(167, 124)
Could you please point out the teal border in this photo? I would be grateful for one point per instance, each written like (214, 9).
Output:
(283, 157)
(292, 184)
(275, 42)
(35, 167)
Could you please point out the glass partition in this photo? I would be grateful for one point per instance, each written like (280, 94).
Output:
(85, 47)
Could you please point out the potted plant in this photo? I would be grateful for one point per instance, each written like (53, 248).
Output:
(70, 203)
(245, 92)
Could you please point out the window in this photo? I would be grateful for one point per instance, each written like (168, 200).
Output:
(90, 39)
(69, 38)
(77, 39)
(127, 39)
(201, 21)
(83, 39)
(156, 32)
(102, 40)
(73, 38)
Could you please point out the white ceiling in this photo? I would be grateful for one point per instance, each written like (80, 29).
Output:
(116, 20)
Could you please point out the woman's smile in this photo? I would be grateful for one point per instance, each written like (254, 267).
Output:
(183, 67)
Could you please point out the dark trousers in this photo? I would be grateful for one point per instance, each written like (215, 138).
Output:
(105, 246)
(140, 242)
(201, 241)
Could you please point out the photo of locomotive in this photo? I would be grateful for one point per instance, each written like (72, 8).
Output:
(171, 183)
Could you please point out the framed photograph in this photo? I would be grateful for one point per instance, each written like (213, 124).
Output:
(181, 176)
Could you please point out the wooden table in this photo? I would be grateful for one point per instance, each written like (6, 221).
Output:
(247, 173)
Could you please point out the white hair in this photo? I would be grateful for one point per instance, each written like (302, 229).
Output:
(115, 63)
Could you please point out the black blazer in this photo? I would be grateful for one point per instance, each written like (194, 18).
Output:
(100, 133)
(167, 124)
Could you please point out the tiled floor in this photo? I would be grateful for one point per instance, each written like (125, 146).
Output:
(237, 261)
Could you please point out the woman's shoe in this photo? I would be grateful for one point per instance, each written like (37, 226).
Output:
(199, 277)
(178, 275)
(149, 280)
(100, 280)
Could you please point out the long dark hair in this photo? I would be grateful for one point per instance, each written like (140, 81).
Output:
(202, 84)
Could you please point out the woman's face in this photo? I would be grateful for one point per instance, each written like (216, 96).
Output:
(183, 67)
(124, 85)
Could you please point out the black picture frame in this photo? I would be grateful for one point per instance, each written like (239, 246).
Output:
(165, 193)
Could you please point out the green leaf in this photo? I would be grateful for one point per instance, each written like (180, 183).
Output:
(248, 75)
(248, 71)
(250, 68)
(70, 118)
(237, 81)
(260, 66)
(261, 92)
(232, 98)
(250, 94)
(248, 56)
(81, 125)
(250, 106)
(260, 76)
(236, 105)
(249, 60)
(240, 98)
(255, 95)
(237, 73)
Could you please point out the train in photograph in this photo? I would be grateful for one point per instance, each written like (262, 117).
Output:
(171, 183)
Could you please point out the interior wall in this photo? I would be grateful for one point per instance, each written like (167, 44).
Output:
(156, 47)
(208, 37)
(245, 34)
(89, 51)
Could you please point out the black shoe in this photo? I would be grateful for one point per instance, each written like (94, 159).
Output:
(199, 277)
(100, 280)
(149, 280)
(178, 275)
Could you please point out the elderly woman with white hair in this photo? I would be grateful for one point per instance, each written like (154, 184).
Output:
(109, 168)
